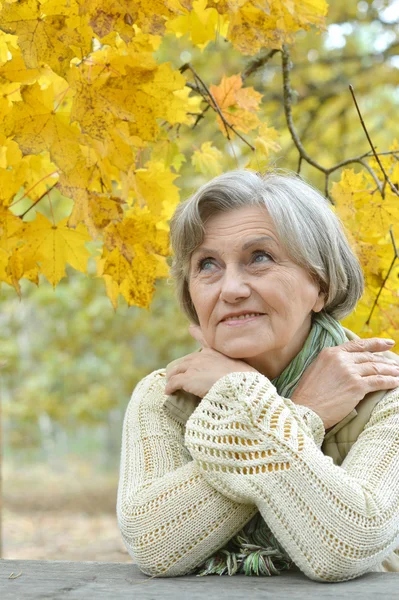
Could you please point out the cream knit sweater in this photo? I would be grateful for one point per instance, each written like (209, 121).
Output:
(186, 490)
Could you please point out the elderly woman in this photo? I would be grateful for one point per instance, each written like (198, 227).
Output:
(275, 446)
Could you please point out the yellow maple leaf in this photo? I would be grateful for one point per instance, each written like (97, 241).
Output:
(96, 212)
(207, 160)
(54, 246)
(154, 187)
(36, 126)
(139, 286)
(10, 154)
(7, 43)
(265, 142)
(21, 266)
(10, 229)
(200, 22)
(138, 227)
(45, 33)
(15, 69)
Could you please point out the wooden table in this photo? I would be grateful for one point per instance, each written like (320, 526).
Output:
(65, 580)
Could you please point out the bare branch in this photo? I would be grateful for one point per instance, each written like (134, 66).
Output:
(256, 64)
(396, 256)
(286, 65)
(386, 176)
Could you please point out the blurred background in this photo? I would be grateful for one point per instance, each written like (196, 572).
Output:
(69, 362)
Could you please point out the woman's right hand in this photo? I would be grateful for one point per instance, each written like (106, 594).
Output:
(340, 377)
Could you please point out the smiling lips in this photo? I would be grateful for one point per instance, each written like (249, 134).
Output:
(241, 318)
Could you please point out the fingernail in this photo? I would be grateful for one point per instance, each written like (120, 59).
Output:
(390, 342)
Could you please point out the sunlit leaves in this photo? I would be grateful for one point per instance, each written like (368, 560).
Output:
(207, 160)
(90, 111)
(369, 218)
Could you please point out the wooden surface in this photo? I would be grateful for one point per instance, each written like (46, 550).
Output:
(64, 580)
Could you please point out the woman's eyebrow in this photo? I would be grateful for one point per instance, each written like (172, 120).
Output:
(258, 240)
(253, 242)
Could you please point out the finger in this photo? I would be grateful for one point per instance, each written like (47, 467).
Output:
(368, 345)
(174, 363)
(173, 384)
(368, 369)
(179, 367)
(380, 382)
(363, 357)
(196, 332)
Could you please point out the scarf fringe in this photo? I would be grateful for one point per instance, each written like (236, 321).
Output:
(251, 559)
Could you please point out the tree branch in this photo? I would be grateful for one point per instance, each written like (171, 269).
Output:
(396, 256)
(386, 176)
(256, 64)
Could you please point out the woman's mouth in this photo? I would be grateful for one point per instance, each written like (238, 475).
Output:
(241, 319)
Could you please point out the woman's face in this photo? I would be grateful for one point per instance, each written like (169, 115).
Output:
(253, 302)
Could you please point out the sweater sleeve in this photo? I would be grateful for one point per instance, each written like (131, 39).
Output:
(336, 523)
(171, 519)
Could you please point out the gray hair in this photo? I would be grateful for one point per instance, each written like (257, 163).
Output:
(312, 235)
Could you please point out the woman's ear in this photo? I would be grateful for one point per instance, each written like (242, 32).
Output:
(320, 302)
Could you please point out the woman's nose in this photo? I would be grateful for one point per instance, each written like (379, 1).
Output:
(233, 286)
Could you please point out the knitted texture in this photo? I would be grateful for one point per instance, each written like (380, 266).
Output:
(254, 550)
(186, 490)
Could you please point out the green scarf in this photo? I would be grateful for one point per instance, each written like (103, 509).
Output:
(255, 550)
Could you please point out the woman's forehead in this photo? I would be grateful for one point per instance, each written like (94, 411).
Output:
(244, 222)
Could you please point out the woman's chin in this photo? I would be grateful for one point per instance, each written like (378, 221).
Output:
(240, 351)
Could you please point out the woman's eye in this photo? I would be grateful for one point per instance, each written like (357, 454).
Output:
(262, 256)
(205, 264)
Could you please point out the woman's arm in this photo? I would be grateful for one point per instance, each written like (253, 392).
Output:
(170, 517)
(336, 523)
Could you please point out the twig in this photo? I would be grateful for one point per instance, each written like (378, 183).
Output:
(386, 177)
(256, 64)
(396, 256)
(12, 576)
(37, 201)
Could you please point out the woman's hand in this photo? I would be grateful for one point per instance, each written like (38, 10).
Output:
(342, 375)
(198, 372)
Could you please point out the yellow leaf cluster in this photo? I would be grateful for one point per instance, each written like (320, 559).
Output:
(91, 118)
(254, 25)
(372, 224)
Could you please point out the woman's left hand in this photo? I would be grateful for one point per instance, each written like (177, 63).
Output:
(196, 373)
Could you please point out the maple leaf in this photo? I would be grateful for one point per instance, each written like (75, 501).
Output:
(96, 212)
(138, 227)
(54, 246)
(265, 142)
(10, 154)
(154, 187)
(45, 32)
(237, 104)
(202, 24)
(36, 126)
(207, 160)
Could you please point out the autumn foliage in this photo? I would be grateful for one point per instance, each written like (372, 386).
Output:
(91, 112)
